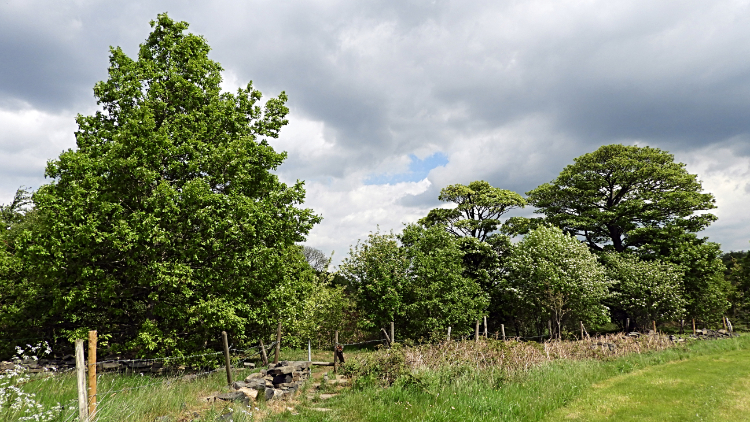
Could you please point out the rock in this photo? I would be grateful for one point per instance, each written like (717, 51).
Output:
(282, 379)
(239, 384)
(249, 392)
(253, 376)
(248, 365)
(234, 396)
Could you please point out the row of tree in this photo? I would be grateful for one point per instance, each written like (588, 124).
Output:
(618, 241)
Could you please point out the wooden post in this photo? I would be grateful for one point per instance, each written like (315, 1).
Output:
(335, 356)
(449, 333)
(581, 330)
(226, 357)
(682, 326)
(309, 357)
(485, 327)
(476, 332)
(387, 339)
(278, 343)
(627, 325)
(693, 326)
(83, 409)
(393, 332)
(92, 375)
(502, 328)
(263, 354)
(724, 320)
(654, 327)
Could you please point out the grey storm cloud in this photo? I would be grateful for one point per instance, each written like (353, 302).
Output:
(510, 91)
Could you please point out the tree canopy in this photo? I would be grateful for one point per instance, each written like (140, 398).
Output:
(167, 224)
(624, 196)
(479, 206)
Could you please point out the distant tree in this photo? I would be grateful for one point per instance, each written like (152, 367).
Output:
(737, 273)
(624, 196)
(479, 207)
(645, 290)
(376, 271)
(415, 279)
(552, 273)
(167, 223)
(316, 258)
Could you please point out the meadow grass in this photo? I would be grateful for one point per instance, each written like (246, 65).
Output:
(461, 393)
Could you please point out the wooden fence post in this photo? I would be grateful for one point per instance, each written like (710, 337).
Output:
(724, 320)
(581, 330)
(449, 333)
(476, 332)
(335, 355)
(682, 326)
(485, 327)
(226, 357)
(278, 344)
(502, 328)
(83, 409)
(387, 339)
(92, 375)
(654, 327)
(393, 332)
(627, 325)
(693, 326)
(263, 354)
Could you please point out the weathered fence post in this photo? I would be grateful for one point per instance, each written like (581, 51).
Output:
(335, 355)
(627, 325)
(654, 322)
(449, 333)
(83, 409)
(693, 326)
(724, 320)
(502, 328)
(387, 339)
(92, 375)
(263, 354)
(476, 332)
(581, 330)
(682, 326)
(485, 326)
(393, 332)
(278, 344)
(226, 357)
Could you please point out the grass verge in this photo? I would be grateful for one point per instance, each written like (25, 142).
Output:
(491, 394)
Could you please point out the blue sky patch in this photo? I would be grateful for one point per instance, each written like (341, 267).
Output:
(418, 170)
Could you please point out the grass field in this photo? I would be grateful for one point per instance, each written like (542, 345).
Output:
(708, 380)
(705, 388)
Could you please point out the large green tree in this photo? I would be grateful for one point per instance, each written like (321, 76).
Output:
(624, 196)
(166, 225)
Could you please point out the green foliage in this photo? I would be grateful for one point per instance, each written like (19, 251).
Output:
(478, 209)
(626, 196)
(167, 223)
(645, 291)
(438, 295)
(737, 273)
(706, 289)
(418, 284)
(554, 274)
(376, 270)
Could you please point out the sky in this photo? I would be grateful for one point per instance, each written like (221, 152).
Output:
(393, 100)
